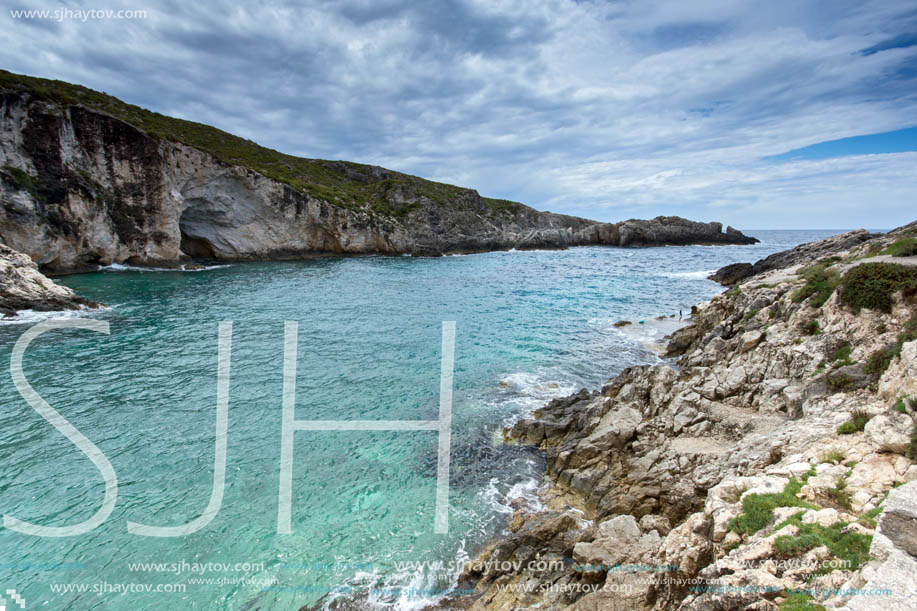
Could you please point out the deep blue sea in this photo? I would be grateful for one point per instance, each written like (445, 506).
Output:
(530, 326)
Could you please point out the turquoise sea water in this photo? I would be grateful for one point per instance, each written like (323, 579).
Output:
(530, 326)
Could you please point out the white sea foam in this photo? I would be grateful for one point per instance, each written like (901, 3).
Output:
(698, 275)
(500, 501)
(418, 579)
(534, 250)
(536, 386)
(30, 317)
(120, 267)
(524, 392)
(650, 335)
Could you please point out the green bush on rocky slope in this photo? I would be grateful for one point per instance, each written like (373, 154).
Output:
(872, 285)
(879, 360)
(849, 546)
(902, 248)
(820, 282)
(758, 509)
(855, 424)
(343, 183)
(800, 602)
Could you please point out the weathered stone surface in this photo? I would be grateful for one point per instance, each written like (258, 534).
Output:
(900, 380)
(901, 531)
(890, 432)
(612, 542)
(660, 524)
(903, 501)
(23, 287)
(875, 474)
(822, 517)
(894, 549)
(750, 339)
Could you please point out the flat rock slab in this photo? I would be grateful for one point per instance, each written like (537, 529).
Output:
(698, 445)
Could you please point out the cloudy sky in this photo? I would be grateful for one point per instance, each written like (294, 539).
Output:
(608, 110)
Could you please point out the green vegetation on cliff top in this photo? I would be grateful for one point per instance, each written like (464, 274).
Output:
(343, 183)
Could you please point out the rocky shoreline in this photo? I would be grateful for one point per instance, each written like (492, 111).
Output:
(23, 287)
(773, 464)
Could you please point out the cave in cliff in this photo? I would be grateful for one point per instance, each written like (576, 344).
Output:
(193, 225)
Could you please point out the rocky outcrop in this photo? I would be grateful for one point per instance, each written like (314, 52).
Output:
(894, 553)
(662, 230)
(86, 179)
(23, 287)
(756, 470)
(736, 272)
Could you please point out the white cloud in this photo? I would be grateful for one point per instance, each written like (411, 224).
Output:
(599, 109)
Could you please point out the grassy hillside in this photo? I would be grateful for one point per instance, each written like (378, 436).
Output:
(344, 183)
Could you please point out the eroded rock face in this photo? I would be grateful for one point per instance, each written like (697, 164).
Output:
(23, 287)
(662, 462)
(901, 377)
(81, 188)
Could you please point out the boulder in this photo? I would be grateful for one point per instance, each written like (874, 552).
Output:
(613, 541)
(890, 432)
(750, 339)
(660, 524)
(732, 274)
(874, 475)
(822, 517)
(615, 429)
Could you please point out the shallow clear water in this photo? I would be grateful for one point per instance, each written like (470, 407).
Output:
(530, 326)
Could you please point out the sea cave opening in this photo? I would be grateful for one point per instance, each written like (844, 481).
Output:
(193, 227)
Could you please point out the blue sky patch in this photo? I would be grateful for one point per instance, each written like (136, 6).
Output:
(898, 141)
